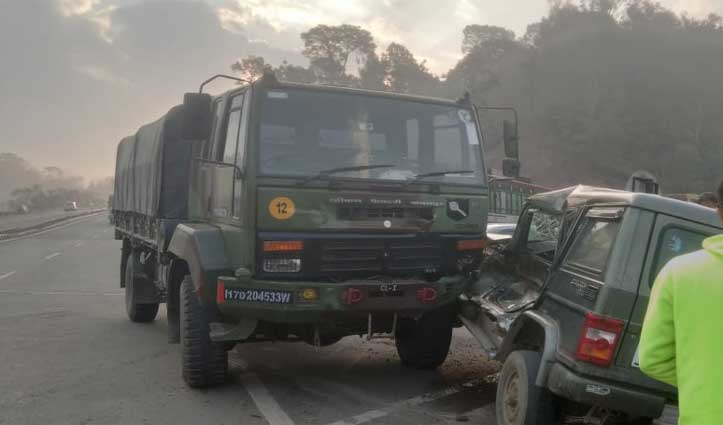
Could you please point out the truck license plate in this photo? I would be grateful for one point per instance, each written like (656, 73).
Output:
(258, 296)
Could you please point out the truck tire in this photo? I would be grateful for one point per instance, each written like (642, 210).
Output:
(139, 313)
(204, 362)
(519, 401)
(424, 343)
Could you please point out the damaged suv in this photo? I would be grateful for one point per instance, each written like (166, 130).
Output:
(562, 302)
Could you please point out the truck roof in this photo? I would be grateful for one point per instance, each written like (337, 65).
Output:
(270, 82)
(574, 196)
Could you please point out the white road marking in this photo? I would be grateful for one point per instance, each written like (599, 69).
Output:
(78, 244)
(405, 404)
(6, 275)
(53, 255)
(265, 402)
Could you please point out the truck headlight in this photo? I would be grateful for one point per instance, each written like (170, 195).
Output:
(282, 265)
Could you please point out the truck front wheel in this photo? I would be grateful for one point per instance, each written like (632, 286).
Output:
(519, 401)
(424, 343)
(137, 312)
(204, 362)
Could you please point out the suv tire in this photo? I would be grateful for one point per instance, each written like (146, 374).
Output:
(424, 343)
(519, 401)
(204, 362)
(139, 313)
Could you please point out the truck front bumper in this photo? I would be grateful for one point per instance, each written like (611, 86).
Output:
(633, 401)
(310, 302)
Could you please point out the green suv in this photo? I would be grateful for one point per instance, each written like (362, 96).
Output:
(562, 303)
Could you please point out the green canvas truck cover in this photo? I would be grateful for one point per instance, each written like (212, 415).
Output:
(153, 169)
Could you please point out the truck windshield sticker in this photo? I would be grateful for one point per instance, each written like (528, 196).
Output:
(282, 208)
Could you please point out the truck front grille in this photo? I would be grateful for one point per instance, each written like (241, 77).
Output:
(381, 257)
(366, 213)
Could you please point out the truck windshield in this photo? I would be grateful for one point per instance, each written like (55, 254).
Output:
(304, 132)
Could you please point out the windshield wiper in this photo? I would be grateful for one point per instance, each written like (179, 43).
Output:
(419, 177)
(325, 173)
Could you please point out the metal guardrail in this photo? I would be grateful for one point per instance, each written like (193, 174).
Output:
(24, 231)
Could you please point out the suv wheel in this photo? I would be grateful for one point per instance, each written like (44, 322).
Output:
(204, 362)
(424, 343)
(519, 401)
(140, 313)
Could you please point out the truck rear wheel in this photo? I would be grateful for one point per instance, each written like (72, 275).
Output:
(137, 312)
(519, 401)
(204, 362)
(424, 343)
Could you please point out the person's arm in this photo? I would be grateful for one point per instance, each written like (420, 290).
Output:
(657, 341)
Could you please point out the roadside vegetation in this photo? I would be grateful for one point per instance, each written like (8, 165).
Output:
(603, 87)
(25, 188)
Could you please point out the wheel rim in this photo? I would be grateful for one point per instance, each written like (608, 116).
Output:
(511, 399)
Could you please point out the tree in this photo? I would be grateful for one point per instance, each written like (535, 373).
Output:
(329, 49)
(405, 74)
(295, 73)
(373, 75)
(250, 68)
(15, 172)
(477, 35)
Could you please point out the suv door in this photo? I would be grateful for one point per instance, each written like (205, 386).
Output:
(514, 275)
(574, 286)
(671, 237)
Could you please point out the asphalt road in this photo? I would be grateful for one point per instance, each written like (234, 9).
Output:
(68, 355)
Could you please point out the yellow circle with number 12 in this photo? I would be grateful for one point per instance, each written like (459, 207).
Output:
(282, 208)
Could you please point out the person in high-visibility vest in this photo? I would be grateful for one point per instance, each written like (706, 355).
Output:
(682, 338)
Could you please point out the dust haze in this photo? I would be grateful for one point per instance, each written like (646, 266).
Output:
(604, 87)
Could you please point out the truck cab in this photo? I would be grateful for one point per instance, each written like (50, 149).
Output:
(562, 303)
(300, 212)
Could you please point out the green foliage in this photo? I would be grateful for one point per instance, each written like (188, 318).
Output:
(603, 88)
(250, 68)
(329, 49)
(51, 187)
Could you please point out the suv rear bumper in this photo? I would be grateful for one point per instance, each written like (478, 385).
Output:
(632, 401)
(333, 300)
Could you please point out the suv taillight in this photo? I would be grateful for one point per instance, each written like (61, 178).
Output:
(598, 339)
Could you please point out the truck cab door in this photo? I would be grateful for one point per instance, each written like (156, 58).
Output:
(228, 149)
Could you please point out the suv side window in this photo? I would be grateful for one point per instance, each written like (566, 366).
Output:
(542, 234)
(592, 245)
(675, 241)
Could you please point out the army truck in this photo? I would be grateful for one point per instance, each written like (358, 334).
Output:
(562, 303)
(292, 212)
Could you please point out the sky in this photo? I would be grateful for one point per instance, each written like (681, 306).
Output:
(78, 75)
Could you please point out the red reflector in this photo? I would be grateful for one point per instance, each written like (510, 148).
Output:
(282, 246)
(220, 289)
(352, 296)
(471, 244)
(598, 339)
(427, 295)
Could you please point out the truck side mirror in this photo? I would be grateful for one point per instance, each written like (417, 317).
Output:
(511, 168)
(197, 116)
(510, 138)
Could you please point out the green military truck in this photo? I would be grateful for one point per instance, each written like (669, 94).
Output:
(291, 212)
(562, 303)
